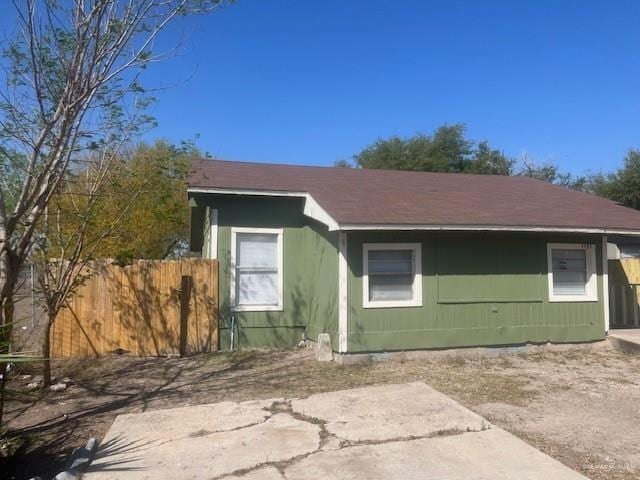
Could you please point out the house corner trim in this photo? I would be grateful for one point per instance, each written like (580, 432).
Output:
(343, 298)
(213, 236)
(605, 282)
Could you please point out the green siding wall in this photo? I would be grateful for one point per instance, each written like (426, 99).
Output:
(310, 272)
(478, 289)
(322, 294)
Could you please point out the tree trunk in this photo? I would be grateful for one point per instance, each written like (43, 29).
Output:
(6, 323)
(8, 278)
(6, 319)
(46, 353)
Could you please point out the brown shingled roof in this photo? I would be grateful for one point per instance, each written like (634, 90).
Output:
(358, 197)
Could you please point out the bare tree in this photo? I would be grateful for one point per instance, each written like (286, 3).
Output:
(71, 233)
(70, 78)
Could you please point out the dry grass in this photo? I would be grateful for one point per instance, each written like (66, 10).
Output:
(529, 393)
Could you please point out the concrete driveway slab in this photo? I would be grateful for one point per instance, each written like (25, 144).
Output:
(393, 431)
(489, 455)
(389, 412)
(200, 455)
(192, 420)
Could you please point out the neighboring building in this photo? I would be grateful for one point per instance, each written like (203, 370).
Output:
(388, 260)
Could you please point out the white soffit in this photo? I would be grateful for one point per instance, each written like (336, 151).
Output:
(312, 209)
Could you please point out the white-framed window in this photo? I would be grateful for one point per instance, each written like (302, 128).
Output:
(256, 269)
(572, 272)
(392, 275)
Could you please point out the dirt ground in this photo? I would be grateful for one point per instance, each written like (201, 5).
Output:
(577, 404)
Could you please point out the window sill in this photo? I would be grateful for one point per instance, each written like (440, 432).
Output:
(572, 299)
(392, 304)
(257, 308)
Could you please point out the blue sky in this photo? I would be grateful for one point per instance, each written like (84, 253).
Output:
(312, 82)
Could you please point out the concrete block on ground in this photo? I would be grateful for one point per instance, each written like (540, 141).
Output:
(324, 353)
(627, 341)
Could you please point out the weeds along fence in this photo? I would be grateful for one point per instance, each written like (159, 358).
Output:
(148, 308)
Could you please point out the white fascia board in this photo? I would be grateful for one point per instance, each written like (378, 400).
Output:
(236, 191)
(490, 228)
(312, 209)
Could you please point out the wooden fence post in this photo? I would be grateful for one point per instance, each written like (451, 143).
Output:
(185, 296)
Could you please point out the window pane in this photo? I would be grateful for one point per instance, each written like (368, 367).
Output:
(257, 250)
(569, 271)
(256, 288)
(256, 269)
(390, 261)
(390, 287)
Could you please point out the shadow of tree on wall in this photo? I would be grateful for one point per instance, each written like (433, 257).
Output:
(142, 309)
(268, 328)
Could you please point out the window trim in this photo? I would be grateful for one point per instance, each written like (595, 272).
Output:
(416, 301)
(591, 286)
(213, 233)
(210, 239)
(280, 264)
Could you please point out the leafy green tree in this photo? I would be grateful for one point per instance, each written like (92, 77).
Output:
(447, 150)
(490, 161)
(151, 188)
(131, 206)
(622, 186)
(342, 163)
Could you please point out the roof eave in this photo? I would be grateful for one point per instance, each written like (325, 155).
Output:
(314, 210)
(489, 228)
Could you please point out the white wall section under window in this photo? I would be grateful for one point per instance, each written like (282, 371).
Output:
(392, 275)
(572, 272)
(257, 281)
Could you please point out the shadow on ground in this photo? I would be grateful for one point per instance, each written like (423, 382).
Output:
(545, 397)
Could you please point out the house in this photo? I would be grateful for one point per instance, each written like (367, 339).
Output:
(390, 260)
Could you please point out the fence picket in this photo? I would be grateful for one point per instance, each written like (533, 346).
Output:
(137, 309)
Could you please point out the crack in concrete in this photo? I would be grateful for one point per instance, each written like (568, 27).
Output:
(325, 436)
(284, 407)
(447, 432)
(204, 433)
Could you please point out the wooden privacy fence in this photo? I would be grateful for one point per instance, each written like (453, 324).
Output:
(624, 290)
(149, 308)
